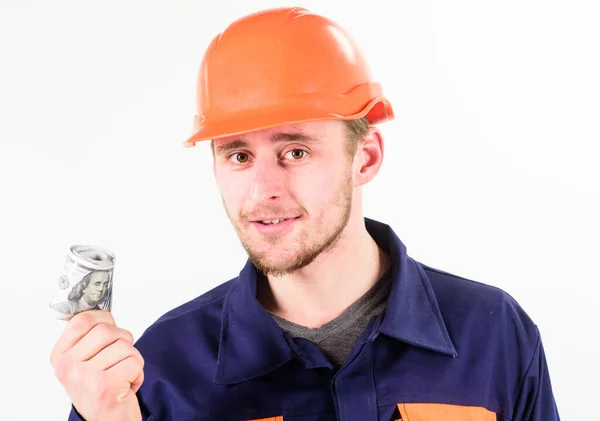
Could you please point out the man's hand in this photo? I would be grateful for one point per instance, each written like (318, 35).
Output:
(99, 367)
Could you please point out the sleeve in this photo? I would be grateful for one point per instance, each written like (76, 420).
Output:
(535, 400)
(74, 415)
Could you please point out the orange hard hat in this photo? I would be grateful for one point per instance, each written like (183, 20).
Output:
(282, 66)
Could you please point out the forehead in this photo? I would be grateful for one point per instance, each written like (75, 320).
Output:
(99, 276)
(315, 129)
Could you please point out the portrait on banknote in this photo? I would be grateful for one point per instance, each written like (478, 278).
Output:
(90, 293)
(86, 282)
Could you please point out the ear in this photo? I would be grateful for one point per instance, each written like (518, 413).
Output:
(369, 157)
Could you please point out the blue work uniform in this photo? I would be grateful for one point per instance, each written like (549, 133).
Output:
(445, 349)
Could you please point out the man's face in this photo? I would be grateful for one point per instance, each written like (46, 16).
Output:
(96, 289)
(299, 175)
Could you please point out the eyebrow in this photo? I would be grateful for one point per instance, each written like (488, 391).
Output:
(277, 137)
(231, 145)
(290, 137)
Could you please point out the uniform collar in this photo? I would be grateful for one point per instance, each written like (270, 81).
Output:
(412, 313)
(252, 344)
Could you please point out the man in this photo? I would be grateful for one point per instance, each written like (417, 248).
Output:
(86, 294)
(329, 319)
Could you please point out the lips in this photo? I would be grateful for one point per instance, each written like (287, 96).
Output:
(273, 221)
(273, 226)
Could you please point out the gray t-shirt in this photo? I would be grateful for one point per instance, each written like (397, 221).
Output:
(337, 337)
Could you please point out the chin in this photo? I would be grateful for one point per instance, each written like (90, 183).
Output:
(274, 258)
(276, 270)
(274, 261)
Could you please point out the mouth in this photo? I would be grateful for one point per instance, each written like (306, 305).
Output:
(273, 226)
(274, 221)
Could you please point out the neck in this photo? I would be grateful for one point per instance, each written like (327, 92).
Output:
(321, 291)
(85, 301)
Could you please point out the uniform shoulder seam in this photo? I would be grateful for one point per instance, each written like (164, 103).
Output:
(538, 344)
(173, 314)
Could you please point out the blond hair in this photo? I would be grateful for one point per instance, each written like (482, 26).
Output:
(356, 131)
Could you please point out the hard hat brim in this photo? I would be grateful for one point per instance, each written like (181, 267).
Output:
(377, 111)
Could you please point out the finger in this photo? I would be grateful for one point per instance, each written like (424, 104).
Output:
(101, 336)
(130, 370)
(77, 327)
(114, 354)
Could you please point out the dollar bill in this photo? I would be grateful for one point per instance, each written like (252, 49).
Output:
(85, 282)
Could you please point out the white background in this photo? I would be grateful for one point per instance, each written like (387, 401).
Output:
(491, 168)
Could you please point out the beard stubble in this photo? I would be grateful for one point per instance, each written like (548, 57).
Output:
(309, 245)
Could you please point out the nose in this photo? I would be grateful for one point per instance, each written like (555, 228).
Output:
(269, 180)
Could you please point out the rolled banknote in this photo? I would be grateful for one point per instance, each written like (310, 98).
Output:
(85, 282)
